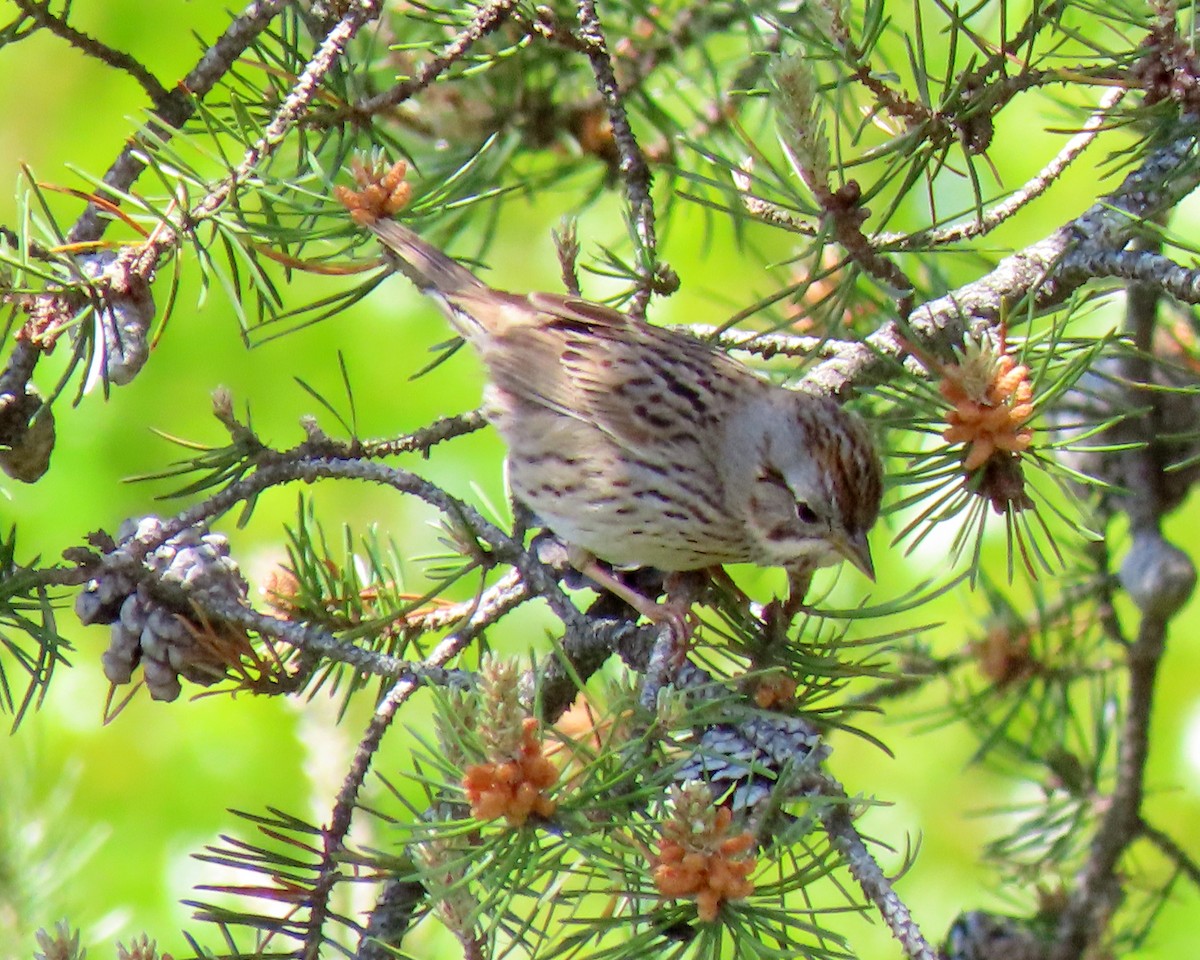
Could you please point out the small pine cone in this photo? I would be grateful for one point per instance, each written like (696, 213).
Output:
(978, 935)
(1157, 575)
(147, 632)
(122, 317)
(27, 457)
(741, 762)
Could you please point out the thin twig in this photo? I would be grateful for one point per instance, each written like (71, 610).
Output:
(505, 595)
(179, 106)
(765, 345)
(893, 101)
(1144, 469)
(489, 17)
(498, 600)
(1166, 176)
(1032, 188)
(1169, 848)
(537, 576)
(119, 59)
(1140, 266)
(635, 172)
(1098, 886)
(421, 441)
(171, 111)
(839, 825)
(306, 87)
(334, 835)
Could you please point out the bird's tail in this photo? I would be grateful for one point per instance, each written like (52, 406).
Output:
(424, 264)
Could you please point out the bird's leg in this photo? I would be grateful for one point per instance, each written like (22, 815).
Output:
(674, 612)
(780, 613)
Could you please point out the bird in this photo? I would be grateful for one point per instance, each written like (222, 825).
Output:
(639, 445)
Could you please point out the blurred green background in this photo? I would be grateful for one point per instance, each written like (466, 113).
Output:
(98, 822)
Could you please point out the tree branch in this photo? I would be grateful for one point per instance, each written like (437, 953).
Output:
(1167, 175)
(40, 12)
(488, 19)
(635, 172)
(334, 835)
(839, 825)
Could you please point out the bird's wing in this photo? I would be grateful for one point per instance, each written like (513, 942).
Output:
(597, 365)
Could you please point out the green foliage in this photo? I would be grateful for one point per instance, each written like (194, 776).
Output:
(885, 162)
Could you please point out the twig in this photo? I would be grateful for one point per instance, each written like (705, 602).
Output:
(1144, 469)
(170, 113)
(635, 172)
(40, 12)
(1032, 188)
(1140, 266)
(489, 17)
(586, 653)
(306, 87)
(765, 345)
(498, 600)
(334, 835)
(1167, 175)
(839, 825)
(769, 212)
(179, 106)
(1172, 851)
(537, 576)
(421, 441)
(506, 594)
(895, 103)
(1098, 886)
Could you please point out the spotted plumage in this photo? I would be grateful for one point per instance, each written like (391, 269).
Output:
(646, 447)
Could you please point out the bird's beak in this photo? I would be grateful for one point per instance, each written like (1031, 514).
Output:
(858, 552)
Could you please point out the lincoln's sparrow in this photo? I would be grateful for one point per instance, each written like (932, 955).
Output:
(646, 447)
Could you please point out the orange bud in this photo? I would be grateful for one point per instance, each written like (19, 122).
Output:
(1020, 412)
(489, 806)
(708, 903)
(737, 844)
(981, 449)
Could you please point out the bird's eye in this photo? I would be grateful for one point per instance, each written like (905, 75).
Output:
(805, 513)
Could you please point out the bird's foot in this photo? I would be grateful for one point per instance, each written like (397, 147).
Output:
(675, 611)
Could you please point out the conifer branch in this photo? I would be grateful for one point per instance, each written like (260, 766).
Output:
(1166, 176)
(1160, 578)
(489, 18)
(212, 66)
(334, 835)
(1032, 188)
(635, 171)
(835, 817)
(39, 12)
(501, 100)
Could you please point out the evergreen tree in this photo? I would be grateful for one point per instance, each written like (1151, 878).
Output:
(855, 198)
